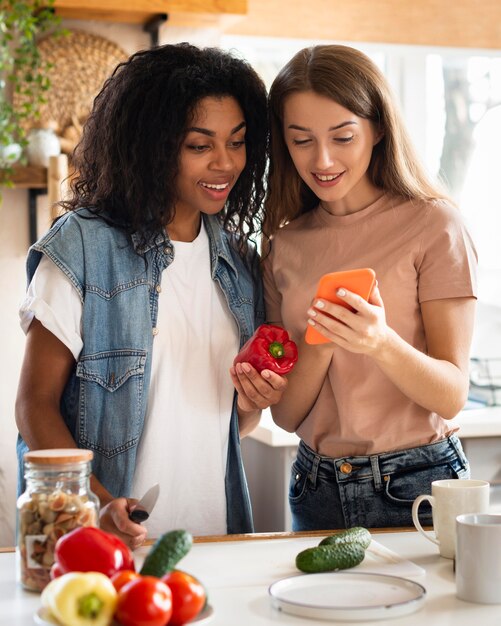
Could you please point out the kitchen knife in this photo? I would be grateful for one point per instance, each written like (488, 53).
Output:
(145, 505)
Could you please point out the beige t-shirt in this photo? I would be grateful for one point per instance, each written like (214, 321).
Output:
(419, 251)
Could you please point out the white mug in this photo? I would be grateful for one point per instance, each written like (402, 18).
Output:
(450, 498)
(478, 558)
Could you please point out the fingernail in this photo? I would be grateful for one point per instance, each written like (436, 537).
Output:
(311, 322)
(265, 374)
(238, 367)
(341, 292)
(246, 368)
(312, 312)
(319, 304)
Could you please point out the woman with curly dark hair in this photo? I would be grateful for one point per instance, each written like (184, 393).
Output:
(143, 291)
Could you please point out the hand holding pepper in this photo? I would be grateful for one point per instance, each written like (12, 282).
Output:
(254, 373)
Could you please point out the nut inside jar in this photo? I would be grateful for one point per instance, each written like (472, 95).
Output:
(43, 519)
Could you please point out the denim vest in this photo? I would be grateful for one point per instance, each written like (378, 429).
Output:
(104, 401)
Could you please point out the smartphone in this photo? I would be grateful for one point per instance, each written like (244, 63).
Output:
(359, 281)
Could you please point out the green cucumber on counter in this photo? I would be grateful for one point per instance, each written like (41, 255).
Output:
(343, 550)
(166, 553)
(358, 533)
(330, 558)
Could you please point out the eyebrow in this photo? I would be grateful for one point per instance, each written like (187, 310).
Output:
(211, 133)
(342, 125)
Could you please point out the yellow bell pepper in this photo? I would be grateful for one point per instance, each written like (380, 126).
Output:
(81, 599)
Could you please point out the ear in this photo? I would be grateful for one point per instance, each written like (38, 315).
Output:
(378, 137)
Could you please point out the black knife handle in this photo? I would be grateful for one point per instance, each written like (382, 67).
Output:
(139, 515)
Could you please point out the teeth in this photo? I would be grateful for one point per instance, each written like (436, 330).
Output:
(327, 178)
(217, 187)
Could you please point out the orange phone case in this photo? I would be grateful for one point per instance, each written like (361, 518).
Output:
(359, 281)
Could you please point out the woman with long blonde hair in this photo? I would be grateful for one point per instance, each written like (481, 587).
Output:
(372, 405)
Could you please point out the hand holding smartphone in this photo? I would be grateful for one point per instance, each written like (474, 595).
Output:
(359, 281)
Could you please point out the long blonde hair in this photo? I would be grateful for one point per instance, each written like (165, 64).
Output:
(350, 78)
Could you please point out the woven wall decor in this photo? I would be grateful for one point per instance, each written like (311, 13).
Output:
(81, 62)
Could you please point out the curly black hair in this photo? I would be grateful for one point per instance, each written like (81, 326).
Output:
(127, 159)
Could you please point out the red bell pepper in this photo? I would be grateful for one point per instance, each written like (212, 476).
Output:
(269, 348)
(90, 549)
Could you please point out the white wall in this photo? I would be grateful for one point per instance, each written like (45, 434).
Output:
(13, 249)
(13, 246)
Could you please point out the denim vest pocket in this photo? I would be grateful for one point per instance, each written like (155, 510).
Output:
(111, 400)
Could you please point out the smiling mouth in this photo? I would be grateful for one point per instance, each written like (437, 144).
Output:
(215, 186)
(326, 178)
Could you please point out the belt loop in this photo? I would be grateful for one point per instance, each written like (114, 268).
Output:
(312, 474)
(378, 484)
(454, 441)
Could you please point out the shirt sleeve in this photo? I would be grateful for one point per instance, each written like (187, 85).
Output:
(54, 301)
(448, 260)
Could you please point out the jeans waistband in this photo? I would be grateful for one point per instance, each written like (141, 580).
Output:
(377, 466)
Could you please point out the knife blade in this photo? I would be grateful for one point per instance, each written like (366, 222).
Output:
(145, 505)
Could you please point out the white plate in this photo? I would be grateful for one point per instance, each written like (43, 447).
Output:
(347, 596)
(43, 617)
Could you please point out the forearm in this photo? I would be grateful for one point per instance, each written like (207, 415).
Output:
(305, 383)
(103, 494)
(247, 421)
(435, 384)
(43, 427)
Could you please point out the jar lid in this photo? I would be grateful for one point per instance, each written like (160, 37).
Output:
(55, 456)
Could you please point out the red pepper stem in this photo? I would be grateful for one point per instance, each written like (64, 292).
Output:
(276, 349)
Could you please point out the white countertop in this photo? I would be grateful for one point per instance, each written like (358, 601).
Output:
(237, 575)
(485, 422)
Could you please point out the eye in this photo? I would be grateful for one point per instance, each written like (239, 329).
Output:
(301, 142)
(344, 139)
(197, 148)
(237, 144)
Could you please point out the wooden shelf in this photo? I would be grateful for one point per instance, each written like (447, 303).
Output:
(51, 181)
(30, 177)
(141, 11)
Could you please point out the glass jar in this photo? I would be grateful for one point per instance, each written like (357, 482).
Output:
(57, 499)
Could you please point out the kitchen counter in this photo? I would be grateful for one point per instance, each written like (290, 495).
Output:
(484, 422)
(237, 572)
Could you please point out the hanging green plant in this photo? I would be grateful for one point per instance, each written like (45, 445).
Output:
(22, 71)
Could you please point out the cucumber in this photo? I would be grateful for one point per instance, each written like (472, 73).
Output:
(358, 533)
(166, 553)
(330, 558)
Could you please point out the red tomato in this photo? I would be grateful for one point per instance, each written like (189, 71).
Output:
(56, 571)
(144, 601)
(123, 577)
(90, 549)
(188, 596)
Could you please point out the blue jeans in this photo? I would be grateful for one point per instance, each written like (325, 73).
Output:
(372, 491)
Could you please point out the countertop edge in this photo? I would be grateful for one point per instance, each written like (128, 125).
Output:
(472, 423)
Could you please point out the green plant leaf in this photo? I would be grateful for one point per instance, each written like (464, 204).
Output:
(21, 23)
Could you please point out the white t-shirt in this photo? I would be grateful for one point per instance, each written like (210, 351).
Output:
(185, 438)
